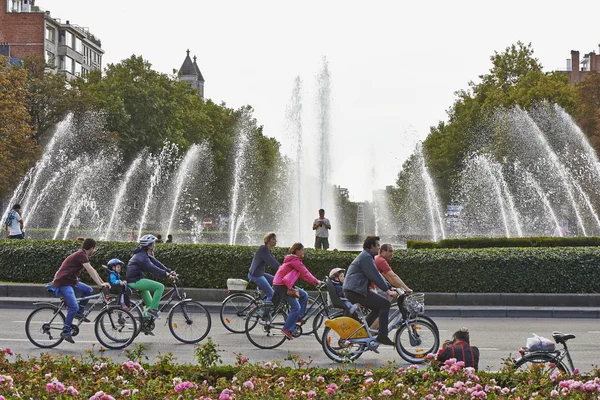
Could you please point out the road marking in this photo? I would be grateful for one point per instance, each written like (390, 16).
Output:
(593, 331)
(488, 348)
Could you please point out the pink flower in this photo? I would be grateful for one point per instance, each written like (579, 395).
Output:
(320, 379)
(430, 396)
(369, 381)
(333, 386)
(225, 394)
(311, 394)
(368, 373)
(73, 391)
(9, 351)
(346, 380)
(125, 392)
(426, 375)
(96, 368)
(554, 393)
(386, 392)
(249, 384)
(576, 371)
(330, 391)
(431, 356)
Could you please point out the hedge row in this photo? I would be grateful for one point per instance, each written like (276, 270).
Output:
(478, 243)
(509, 270)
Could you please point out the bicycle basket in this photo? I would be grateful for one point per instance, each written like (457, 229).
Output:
(236, 284)
(415, 304)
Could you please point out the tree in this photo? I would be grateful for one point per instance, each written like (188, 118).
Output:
(17, 143)
(588, 108)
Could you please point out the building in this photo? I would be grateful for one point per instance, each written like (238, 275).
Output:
(189, 72)
(578, 68)
(28, 30)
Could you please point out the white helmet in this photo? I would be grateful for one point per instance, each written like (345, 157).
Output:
(147, 240)
(335, 271)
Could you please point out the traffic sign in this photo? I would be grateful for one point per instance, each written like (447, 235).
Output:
(207, 222)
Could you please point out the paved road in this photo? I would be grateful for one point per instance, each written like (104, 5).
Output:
(496, 338)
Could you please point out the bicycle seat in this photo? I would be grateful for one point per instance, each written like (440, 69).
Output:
(561, 338)
(335, 299)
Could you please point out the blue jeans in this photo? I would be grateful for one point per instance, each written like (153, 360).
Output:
(68, 295)
(297, 309)
(264, 283)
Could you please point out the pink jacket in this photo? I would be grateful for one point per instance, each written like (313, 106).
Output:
(292, 269)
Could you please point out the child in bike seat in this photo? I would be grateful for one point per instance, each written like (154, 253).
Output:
(337, 276)
(118, 286)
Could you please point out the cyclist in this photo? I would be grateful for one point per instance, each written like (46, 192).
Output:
(360, 273)
(283, 283)
(143, 260)
(66, 281)
(262, 257)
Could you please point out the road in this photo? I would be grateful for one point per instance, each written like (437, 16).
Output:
(495, 337)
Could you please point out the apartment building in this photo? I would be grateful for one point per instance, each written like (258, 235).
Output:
(27, 29)
(577, 68)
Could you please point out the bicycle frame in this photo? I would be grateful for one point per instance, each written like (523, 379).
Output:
(101, 298)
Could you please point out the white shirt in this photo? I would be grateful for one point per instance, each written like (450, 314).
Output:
(322, 231)
(14, 228)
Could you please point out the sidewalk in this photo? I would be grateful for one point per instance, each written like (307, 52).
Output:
(499, 305)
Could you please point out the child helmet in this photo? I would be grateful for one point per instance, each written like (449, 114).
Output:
(334, 272)
(114, 261)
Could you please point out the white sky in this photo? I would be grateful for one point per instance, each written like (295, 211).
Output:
(394, 66)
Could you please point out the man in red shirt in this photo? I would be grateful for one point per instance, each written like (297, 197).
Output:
(386, 252)
(66, 281)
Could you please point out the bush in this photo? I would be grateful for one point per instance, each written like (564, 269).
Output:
(508, 270)
(477, 243)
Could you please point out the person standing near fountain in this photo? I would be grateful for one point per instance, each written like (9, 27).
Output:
(13, 224)
(321, 226)
(263, 257)
(169, 239)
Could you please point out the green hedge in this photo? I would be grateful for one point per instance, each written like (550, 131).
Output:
(509, 270)
(478, 243)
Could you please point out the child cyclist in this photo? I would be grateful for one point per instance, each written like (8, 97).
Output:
(117, 285)
(143, 261)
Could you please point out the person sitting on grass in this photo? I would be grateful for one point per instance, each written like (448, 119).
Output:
(143, 260)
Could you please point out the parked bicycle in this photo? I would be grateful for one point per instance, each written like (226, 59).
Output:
(548, 361)
(189, 321)
(345, 339)
(264, 323)
(114, 327)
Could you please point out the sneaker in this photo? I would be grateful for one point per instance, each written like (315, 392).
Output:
(287, 334)
(353, 309)
(154, 313)
(67, 336)
(81, 317)
(148, 333)
(124, 307)
(385, 340)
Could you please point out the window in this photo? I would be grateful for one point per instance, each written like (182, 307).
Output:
(50, 34)
(77, 69)
(68, 39)
(50, 59)
(78, 45)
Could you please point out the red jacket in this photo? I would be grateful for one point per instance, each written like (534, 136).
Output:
(292, 269)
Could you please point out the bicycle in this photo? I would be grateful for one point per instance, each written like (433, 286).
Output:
(237, 306)
(548, 361)
(189, 321)
(114, 327)
(345, 339)
(270, 321)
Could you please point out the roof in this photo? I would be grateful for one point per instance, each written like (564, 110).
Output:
(200, 77)
(190, 67)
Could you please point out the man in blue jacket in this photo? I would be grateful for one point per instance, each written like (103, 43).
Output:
(262, 258)
(361, 272)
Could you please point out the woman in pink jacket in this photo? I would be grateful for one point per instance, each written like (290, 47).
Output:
(289, 272)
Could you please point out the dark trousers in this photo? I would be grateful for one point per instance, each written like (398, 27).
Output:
(379, 306)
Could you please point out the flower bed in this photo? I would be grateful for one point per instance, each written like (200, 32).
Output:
(98, 378)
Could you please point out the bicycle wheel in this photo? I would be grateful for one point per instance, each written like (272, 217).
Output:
(338, 349)
(544, 363)
(265, 333)
(320, 318)
(234, 310)
(115, 328)
(44, 325)
(413, 344)
(189, 321)
(135, 310)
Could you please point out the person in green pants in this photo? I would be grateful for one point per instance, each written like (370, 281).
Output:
(143, 261)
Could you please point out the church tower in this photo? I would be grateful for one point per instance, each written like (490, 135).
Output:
(189, 72)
